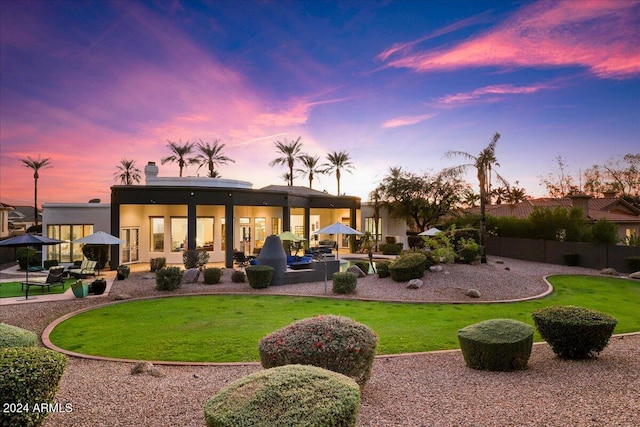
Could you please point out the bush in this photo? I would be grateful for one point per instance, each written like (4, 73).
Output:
(415, 241)
(383, 269)
(574, 332)
(337, 343)
(195, 258)
(30, 375)
(364, 266)
(212, 275)
(408, 266)
(391, 248)
(12, 336)
(496, 345)
(633, 262)
(292, 395)
(344, 282)
(123, 272)
(25, 254)
(603, 231)
(157, 263)
(237, 276)
(97, 253)
(259, 276)
(169, 278)
(571, 259)
(468, 251)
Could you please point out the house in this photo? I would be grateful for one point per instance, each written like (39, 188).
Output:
(22, 217)
(4, 219)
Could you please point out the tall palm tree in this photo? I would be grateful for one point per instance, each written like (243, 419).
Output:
(128, 173)
(311, 167)
(180, 153)
(211, 156)
(291, 152)
(337, 162)
(36, 165)
(483, 164)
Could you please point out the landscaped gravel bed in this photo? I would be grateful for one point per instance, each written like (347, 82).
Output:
(432, 389)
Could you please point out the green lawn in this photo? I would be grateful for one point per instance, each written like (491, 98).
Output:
(12, 289)
(228, 328)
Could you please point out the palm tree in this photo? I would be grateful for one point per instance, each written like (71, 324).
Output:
(180, 153)
(500, 193)
(128, 173)
(290, 153)
(36, 165)
(311, 167)
(338, 161)
(211, 156)
(483, 164)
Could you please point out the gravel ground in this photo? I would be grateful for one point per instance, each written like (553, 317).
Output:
(430, 389)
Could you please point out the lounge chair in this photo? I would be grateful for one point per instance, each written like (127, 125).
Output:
(87, 268)
(54, 278)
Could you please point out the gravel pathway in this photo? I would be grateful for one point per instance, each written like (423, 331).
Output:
(430, 389)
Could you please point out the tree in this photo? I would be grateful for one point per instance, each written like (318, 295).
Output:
(560, 182)
(211, 156)
(483, 163)
(338, 161)
(36, 165)
(180, 153)
(311, 167)
(374, 199)
(128, 173)
(291, 152)
(516, 194)
(618, 175)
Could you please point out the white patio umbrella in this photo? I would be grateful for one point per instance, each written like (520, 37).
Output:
(338, 228)
(430, 232)
(99, 238)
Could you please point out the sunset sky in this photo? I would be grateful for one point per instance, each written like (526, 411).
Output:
(393, 83)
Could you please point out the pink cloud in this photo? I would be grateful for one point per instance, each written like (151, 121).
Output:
(406, 120)
(489, 91)
(601, 36)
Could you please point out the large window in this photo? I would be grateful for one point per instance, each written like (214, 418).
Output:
(179, 229)
(68, 251)
(204, 233)
(223, 233)
(261, 231)
(276, 226)
(370, 226)
(157, 234)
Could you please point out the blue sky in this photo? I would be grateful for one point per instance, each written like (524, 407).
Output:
(88, 83)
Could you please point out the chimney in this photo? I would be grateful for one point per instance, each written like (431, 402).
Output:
(609, 194)
(150, 171)
(580, 201)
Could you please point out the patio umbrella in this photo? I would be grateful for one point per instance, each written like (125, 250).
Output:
(338, 228)
(99, 238)
(27, 240)
(288, 235)
(430, 232)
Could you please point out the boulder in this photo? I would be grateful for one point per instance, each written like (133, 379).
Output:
(499, 261)
(473, 293)
(609, 272)
(635, 275)
(356, 270)
(435, 268)
(415, 284)
(191, 275)
(141, 368)
(121, 297)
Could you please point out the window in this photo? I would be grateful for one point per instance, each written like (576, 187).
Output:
(276, 226)
(179, 229)
(157, 234)
(261, 231)
(223, 233)
(68, 251)
(204, 233)
(369, 225)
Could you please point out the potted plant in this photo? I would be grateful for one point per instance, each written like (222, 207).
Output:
(80, 289)
(98, 286)
(123, 272)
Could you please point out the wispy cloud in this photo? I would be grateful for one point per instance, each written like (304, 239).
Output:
(406, 120)
(601, 36)
(491, 93)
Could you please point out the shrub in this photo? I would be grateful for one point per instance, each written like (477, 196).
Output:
(344, 282)
(574, 332)
(442, 249)
(408, 266)
(25, 254)
(468, 251)
(571, 259)
(157, 263)
(496, 345)
(30, 375)
(259, 276)
(337, 343)
(633, 262)
(12, 336)
(391, 248)
(292, 395)
(237, 276)
(123, 271)
(169, 278)
(195, 258)
(212, 275)
(383, 269)
(363, 265)
(415, 242)
(603, 231)
(97, 253)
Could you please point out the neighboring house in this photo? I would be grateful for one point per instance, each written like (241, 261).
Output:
(610, 208)
(21, 217)
(4, 219)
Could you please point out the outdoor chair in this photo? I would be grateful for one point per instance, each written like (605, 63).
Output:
(241, 259)
(54, 278)
(87, 268)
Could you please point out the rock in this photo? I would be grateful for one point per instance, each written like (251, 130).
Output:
(121, 297)
(609, 272)
(141, 368)
(473, 293)
(435, 268)
(635, 275)
(356, 270)
(148, 277)
(415, 284)
(191, 275)
(155, 372)
(499, 261)
(507, 268)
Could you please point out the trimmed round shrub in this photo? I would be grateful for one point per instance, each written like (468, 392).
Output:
(292, 395)
(391, 248)
(496, 345)
(195, 258)
(13, 336)
(156, 264)
(408, 266)
(337, 343)
(344, 282)
(169, 278)
(212, 275)
(364, 266)
(260, 276)
(574, 332)
(383, 269)
(237, 276)
(30, 375)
